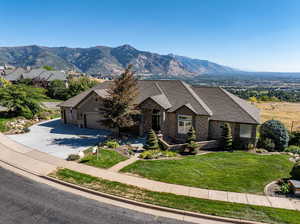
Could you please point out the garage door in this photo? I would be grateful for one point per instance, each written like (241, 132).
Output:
(92, 120)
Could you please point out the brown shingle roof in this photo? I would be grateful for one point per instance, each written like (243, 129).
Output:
(228, 107)
(174, 94)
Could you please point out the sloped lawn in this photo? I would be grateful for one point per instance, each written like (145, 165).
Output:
(229, 171)
(218, 208)
(106, 159)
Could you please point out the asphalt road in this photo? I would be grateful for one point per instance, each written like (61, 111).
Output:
(23, 201)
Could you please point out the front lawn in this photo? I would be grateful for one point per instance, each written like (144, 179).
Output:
(106, 158)
(218, 208)
(230, 171)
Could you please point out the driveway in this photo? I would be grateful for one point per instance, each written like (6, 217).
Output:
(59, 139)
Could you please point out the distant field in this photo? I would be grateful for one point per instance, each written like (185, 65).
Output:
(283, 111)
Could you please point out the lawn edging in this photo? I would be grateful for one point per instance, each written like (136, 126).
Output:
(150, 206)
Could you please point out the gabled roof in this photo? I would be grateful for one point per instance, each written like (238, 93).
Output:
(14, 75)
(228, 107)
(171, 95)
(45, 74)
(41, 73)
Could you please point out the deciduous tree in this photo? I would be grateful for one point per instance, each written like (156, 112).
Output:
(119, 103)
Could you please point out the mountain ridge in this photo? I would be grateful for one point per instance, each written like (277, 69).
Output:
(109, 60)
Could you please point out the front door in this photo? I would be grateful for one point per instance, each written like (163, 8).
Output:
(156, 120)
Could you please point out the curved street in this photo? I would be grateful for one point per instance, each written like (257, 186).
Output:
(24, 201)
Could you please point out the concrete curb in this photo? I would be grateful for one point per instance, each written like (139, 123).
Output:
(150, 206)
(266, 188)
(136, 203)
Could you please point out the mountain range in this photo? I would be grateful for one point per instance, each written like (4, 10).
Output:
(109, 60)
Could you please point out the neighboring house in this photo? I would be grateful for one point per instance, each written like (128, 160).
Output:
(13, 74)
(39, 73)
(172, 107)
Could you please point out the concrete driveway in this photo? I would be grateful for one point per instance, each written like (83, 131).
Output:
(59, 139)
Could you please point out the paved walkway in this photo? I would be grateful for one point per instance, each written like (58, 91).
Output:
(119, 166)
(43, 163)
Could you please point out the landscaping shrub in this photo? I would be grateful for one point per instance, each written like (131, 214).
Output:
(73, 157)
(44, 115)
(266, 143)
(294, 138)
(152, 141)
(276, 131)
(226, 140)
(192, 148)
(169, 154)
(285, 188)
(150, 154)
(295, 173)
(293, 149)
(112, 144)
(191, 135)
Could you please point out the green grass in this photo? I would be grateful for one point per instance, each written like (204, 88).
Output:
(230, 171)
(107, 158)
(218, 208)
(3, 122)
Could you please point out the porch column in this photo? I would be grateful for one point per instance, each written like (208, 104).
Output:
(141, 125)
(162, 120)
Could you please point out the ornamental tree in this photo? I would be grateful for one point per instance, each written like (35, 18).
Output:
(191, 135)
(22, 100)
(226, 140)
(275, 130)
(151, 141)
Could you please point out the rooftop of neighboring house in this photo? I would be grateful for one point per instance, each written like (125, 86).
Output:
(171, 95)
(20, 73)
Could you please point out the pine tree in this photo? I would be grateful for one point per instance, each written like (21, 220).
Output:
(191, 135)
(152, 141)
(227, 137)
(120, 100)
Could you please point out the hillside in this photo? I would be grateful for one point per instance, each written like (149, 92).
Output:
(108, 60)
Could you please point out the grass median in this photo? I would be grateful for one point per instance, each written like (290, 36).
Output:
(218, 208)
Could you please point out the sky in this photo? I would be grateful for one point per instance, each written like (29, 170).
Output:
(254, 35)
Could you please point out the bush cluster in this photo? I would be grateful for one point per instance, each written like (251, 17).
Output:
(155, 154)
(293, 149)
(273, 136)
(112, 144)
(73, 157)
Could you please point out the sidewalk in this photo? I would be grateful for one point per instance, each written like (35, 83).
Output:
(42, 163)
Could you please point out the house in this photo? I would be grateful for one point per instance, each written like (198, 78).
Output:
(172, 107)
(39, 73)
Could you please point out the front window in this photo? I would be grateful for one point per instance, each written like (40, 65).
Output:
(245, 131)
(185, 122)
